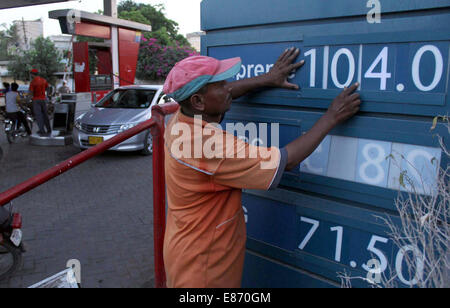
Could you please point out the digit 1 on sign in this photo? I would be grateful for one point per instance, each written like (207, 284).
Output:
(312, 76)
(340, 231)
(383, 75)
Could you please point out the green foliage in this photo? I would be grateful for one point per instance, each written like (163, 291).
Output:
(8, 41)
(42, 56)
(163, 29)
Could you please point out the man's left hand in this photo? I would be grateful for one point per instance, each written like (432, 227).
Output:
(278, 75)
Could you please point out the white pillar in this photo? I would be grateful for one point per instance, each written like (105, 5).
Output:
(115, 55)
(110, 8)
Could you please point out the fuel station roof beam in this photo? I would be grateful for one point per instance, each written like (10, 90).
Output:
(69, 18)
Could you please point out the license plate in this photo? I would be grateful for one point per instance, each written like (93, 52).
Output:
(95, 140)
(16, 237)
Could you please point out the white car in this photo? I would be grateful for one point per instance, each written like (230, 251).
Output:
(118, 111)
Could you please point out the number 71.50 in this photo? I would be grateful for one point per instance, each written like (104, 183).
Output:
(383, 262)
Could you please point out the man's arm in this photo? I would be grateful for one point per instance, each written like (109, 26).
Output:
(275, 78)
(343, 107)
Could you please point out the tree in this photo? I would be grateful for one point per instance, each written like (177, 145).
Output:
(163, 29)
(42, 56)
(8, 42)
(162, 47)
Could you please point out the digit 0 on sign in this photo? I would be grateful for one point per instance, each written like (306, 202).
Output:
(351, 70)
(418, 266)
(438, 70)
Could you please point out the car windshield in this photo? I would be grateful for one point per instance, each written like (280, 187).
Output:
(127, 99)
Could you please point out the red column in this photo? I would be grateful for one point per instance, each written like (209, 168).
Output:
(81, 67)
(129, 42)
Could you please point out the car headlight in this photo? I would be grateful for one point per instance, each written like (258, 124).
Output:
(78, 124)
(125, 127)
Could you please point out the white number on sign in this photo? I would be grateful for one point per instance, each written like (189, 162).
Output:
(372, 162)
(418, 175)
(315, 225)
(438, 72)
(383, 75)
(340, 231)
(351, 70)
(419, 264)
(312, 76)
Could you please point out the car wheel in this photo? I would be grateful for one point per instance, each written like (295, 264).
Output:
(148, 144)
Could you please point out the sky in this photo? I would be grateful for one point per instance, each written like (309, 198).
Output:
(185, 12)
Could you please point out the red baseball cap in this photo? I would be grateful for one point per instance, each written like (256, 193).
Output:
(34, 71)
(191, 74)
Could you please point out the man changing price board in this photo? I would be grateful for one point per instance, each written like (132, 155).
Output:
(204, 243)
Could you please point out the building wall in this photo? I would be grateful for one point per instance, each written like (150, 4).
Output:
(62, 42)
(28, 31)
(194, 39)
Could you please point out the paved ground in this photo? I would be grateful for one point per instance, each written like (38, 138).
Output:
(99, 213)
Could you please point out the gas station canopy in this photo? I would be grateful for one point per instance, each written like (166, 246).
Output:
(8, 4)
(66, 19)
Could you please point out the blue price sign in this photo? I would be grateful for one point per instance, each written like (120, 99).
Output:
(306, 232)
(395, 73)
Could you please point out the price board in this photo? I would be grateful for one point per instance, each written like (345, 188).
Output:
(321, 219)
(391, 75)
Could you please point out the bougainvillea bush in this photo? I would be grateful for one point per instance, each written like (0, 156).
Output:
(155, 61)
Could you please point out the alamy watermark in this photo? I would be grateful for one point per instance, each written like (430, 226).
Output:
(374, 14)
(74, 274)
(209, 141)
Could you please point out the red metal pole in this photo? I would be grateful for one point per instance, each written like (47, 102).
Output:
(74, 161)
(159, 203)
(159, 191)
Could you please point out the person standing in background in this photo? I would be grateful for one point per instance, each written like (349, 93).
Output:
(38, 88)
(64, 89)
(6, 87)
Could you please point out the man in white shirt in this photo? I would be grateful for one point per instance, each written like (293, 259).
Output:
(64, 89)
(13, 102)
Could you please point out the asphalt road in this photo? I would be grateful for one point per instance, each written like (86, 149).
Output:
(100, 213)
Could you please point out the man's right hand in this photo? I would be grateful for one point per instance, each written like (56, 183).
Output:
(345, 105)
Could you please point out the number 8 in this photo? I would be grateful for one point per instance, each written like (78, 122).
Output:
(375, 162)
